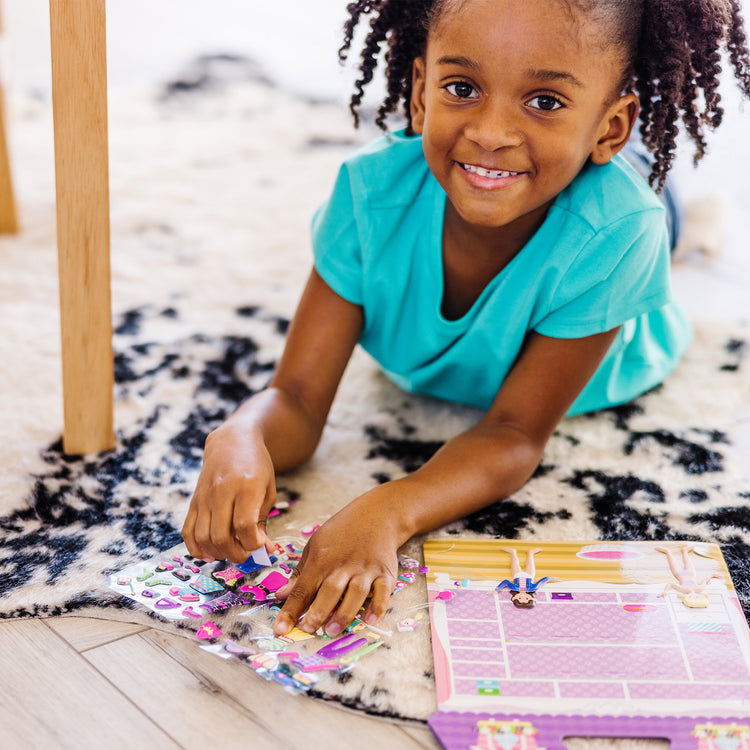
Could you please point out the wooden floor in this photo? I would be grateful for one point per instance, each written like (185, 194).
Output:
(82, 684)
(88, 684)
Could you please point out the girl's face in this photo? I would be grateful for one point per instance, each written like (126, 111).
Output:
(512, 98)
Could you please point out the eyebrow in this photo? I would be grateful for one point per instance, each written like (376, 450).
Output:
(555, 75)
(464, 62)
(539, 75)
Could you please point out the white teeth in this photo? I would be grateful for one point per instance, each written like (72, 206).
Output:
(494, 174)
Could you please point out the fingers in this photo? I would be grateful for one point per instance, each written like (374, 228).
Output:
(294, 606)
(249, 524)
(306, 608)
(357, 591)
(333, 605)
(188, 532)
(228, 527)
(286, 589)
(222, 536)
(382, 589)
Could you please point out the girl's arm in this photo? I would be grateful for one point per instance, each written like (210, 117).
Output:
(353, 555)
(275, 430)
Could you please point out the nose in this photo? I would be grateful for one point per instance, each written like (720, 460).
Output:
(494, 125)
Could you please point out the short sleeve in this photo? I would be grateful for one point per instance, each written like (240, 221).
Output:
(621, 272)
(336, 242)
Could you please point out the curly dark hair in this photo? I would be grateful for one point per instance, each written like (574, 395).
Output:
(671, 51)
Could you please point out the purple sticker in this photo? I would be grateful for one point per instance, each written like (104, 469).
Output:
(341, 646)
(165, 603)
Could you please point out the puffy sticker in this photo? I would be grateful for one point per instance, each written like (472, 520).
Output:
(205, 585)
(230, 578)
(208, 631)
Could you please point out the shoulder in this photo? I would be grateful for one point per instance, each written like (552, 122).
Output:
(608, 217)
(388, 172)
(611, 260)
(610, 194)
(375, 189)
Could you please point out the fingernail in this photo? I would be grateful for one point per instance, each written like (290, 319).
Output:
(333, 629)
(371, 619)
(283, 626)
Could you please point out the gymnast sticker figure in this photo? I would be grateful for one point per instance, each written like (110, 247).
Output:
(523, 588)
(688, 587)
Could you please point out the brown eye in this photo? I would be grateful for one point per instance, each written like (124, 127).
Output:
(546, 103)
(461, 90)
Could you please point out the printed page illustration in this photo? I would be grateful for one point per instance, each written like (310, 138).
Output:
(630, 629)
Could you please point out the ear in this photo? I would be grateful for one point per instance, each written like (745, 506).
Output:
(416, 105)
(617, 124)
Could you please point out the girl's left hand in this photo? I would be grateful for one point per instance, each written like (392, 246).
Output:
(351, 557)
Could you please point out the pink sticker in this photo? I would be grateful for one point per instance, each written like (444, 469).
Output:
(262, 590)
(238, 650)
(190, 612)
(610, 554)
(208, 631)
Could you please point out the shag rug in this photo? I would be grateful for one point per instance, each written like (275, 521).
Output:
(214, 180)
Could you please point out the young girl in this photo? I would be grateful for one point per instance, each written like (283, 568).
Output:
(497, 252)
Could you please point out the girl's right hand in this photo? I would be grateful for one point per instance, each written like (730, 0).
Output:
(235, 491)
(276, 429)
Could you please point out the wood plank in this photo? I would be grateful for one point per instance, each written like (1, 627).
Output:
(79, 101)
(8, 212)
(423, 736)
(52, 697)
(190, 690)
(83, 633)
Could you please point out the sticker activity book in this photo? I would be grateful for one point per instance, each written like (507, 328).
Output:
(535, 641)
(231, 608)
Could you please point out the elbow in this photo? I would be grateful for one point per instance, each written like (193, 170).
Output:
(516, 456)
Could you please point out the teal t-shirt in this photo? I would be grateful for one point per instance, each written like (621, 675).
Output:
(599, 260)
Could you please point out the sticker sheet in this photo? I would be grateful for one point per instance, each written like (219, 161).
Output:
(231, 609)
(555, 630)
(177, 586)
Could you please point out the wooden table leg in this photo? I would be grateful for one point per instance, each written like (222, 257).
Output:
(79, 100)
(8, 215)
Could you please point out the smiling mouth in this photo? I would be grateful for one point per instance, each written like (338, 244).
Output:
(493, 174)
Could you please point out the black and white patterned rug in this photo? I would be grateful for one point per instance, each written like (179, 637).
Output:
(209, 253)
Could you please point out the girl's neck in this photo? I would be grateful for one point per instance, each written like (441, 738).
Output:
(474, 255)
